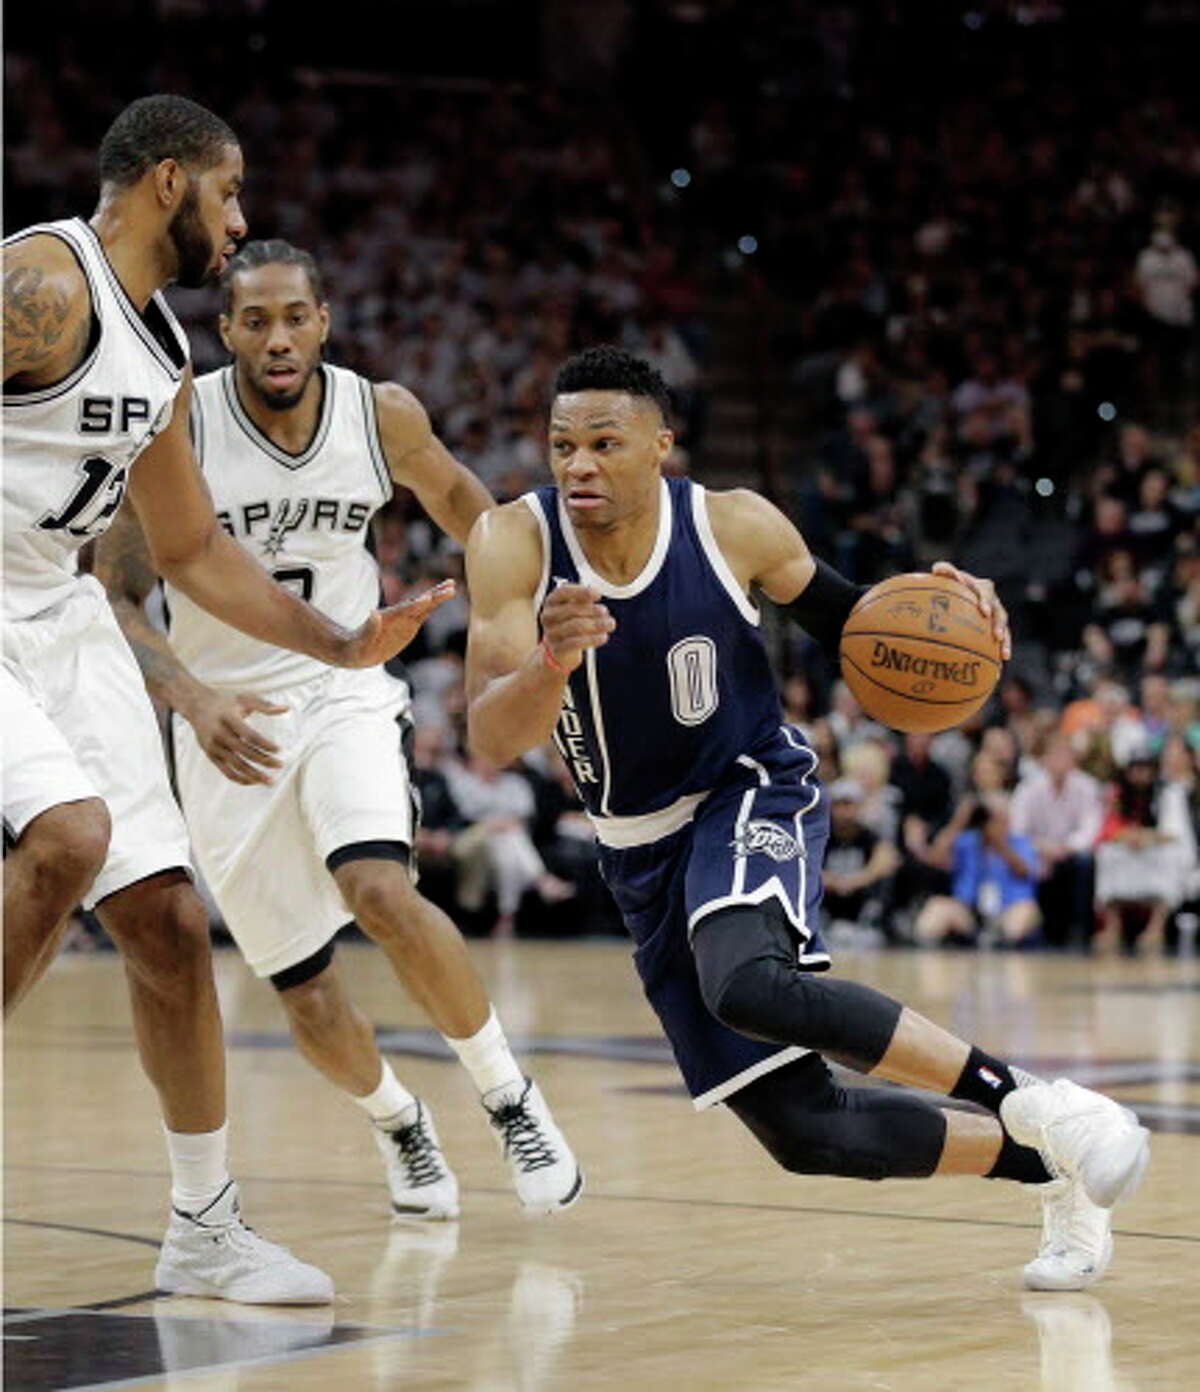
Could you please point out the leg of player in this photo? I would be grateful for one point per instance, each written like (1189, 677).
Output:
(431, 961)
(161, 927)
(337, 1039)
(746, 961)
(47, 873)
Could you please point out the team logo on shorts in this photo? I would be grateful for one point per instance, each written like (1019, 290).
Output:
(765, 838)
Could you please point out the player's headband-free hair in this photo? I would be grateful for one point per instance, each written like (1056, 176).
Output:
(607, 368)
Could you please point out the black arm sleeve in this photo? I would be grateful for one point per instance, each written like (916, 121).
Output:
(823, 606)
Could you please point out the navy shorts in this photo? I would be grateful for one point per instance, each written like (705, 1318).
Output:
(759, 835)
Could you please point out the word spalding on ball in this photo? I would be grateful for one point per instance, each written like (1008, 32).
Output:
(918, 654)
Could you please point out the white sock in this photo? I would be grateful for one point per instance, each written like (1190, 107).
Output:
(487, 1057)
(388, 1100)
(199, 1166)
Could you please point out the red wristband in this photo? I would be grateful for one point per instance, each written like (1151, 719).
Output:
(551, 661)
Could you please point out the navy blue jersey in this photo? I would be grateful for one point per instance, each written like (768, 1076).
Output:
(682, 687)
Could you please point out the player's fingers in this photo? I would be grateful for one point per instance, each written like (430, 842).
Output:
(241, 771)
(250, 702)
(247, 742)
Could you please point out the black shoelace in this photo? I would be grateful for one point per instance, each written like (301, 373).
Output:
(418, 1153)
(523, 1137)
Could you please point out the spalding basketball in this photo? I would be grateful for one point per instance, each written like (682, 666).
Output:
(918, 654)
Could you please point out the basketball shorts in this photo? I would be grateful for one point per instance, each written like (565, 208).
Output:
(262, 848)
(78, 724)
(759, 836)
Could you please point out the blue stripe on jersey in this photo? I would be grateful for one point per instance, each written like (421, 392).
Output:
(682, 687)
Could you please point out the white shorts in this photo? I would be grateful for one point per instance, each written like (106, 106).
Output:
(263, 848)
(78, 724)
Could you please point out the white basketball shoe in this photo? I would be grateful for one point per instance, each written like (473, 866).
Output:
(543, 1168)
(422, 1185)
(1080, 1135)
(214, 1253)
(1077, 1243)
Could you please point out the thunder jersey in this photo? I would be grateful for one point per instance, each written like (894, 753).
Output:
(653, 718)
(68, 447)
(304, 517)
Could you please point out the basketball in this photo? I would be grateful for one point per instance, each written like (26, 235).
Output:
(918, 654)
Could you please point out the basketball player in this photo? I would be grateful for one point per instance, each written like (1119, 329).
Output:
(97, 391)
(301, 830)
(613, 611)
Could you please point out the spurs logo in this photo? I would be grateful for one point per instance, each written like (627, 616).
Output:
(766, 838)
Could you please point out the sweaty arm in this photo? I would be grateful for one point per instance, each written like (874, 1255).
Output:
(447, 490)
(764, 549)
(47, 312)
(190, 549)
(514, 683)
(124, 566)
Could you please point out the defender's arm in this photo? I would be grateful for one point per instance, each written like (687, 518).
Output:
(124, 567)
(514, 683)
(447, 490)
(192, 551)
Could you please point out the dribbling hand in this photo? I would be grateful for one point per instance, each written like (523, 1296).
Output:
(573, 620)
(987, 599)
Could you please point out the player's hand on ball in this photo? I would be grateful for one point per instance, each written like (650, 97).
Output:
(573, 620)
(241, 753)
(389, 631)
(987, 599)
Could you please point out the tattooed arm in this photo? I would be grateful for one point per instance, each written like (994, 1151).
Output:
(124, 567)
(47, 312)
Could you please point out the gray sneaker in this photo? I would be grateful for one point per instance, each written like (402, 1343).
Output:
(214, 1253)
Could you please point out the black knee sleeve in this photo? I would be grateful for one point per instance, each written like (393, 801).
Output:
(746, 960)
(811, 1125)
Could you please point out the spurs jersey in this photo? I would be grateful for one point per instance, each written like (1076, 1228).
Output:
(68, 447)
(305, 517)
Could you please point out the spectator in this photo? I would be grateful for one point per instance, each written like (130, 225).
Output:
(868, 763)
(858, 864)
(1058, 809)
(1140, 870)
(496, 851)
(926, 804)
(993, 881)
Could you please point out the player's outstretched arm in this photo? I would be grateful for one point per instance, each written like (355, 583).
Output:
(447, 490)
(124, 567)
(47, 311)
(514, 682)
(192, 551)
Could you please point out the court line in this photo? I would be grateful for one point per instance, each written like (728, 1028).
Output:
(154, 1242)
(269, 1360)
(595, 1195)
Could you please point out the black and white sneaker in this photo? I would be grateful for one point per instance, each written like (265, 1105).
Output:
(544, 1170)
(422, 1185)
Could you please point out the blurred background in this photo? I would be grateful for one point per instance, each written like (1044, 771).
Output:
(924, 274)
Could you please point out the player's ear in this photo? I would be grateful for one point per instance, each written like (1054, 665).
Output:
(223, 330)
(326, 319)
(170, 182)
(664, 442)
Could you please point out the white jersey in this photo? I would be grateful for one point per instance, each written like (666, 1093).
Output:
(305, 517)
(68, 447)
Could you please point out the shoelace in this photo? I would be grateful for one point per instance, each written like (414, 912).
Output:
(418, 1153)
(523, 1137)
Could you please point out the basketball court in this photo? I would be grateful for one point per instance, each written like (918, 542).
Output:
(690, 1262)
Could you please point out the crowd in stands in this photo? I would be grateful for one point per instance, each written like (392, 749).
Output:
(976, 222)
